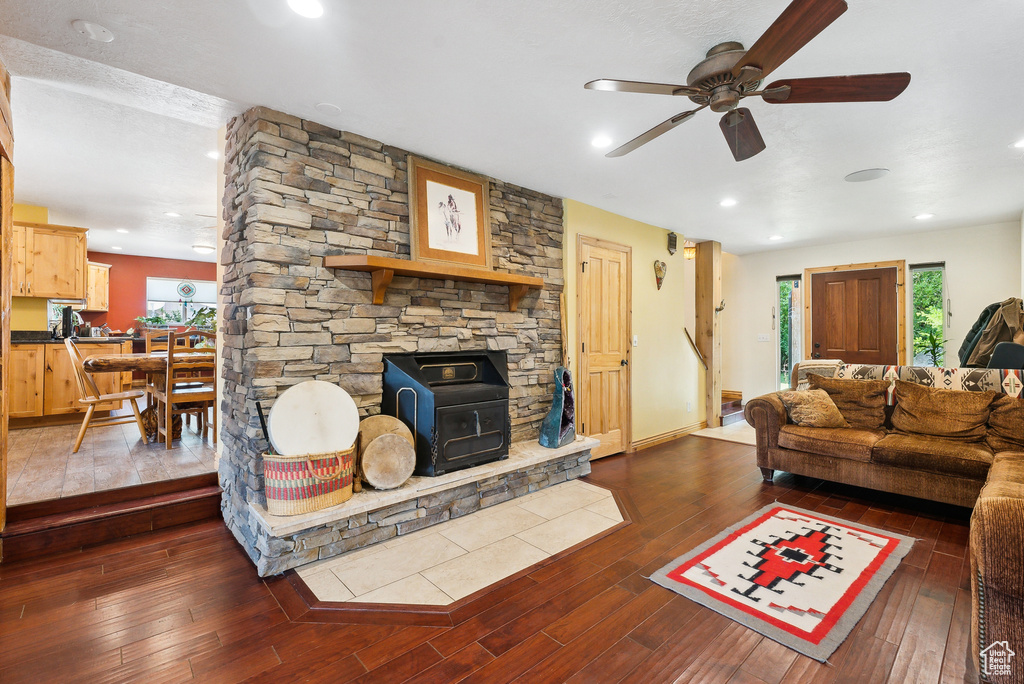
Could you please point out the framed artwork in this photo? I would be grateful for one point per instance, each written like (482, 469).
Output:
(449, 220)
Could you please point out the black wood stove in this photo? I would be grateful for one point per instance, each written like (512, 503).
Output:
(456, 404)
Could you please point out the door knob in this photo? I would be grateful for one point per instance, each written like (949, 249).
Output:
(816, 345)
(623, 362)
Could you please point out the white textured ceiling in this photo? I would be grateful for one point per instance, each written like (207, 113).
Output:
(497, 87)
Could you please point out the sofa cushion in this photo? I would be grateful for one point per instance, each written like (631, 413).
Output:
(951, 414)
(934, 454)
(812, 408)
(851, 443)
(1006, 477)
(1006, 424)
(862, 402)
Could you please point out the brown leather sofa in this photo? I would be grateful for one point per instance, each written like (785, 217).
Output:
(970, 474)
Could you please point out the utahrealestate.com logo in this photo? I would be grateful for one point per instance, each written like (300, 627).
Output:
(995, 660)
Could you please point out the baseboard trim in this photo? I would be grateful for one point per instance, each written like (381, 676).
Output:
(731, 395)
(648, 442)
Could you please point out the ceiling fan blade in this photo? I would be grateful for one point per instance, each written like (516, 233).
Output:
(611, 84)
(795, 27)
(862, 88)
(741, 133)
(663, 127)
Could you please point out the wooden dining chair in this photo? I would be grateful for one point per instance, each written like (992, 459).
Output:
(90, 396)
(189, 387)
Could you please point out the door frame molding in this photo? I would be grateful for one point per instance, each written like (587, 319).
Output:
(901, 300)
(607, 244)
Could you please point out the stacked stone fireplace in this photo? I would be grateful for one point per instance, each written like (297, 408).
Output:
(298, 191)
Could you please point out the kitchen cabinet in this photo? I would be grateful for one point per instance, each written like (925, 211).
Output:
(19, 288)
(43, 380)
(97, 295)
(49, 261)
(25, 394)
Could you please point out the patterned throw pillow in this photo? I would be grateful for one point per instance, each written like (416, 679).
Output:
(812, 408)
(951, 414)
(862, 402)
(1006, 424)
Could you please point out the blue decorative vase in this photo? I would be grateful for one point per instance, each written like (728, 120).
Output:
(559, 426)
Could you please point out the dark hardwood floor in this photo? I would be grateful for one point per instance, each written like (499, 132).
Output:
(184, 603)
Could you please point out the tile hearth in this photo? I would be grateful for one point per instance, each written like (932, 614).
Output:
(449, 561)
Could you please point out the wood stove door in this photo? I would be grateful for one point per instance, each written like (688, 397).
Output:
(469, 434)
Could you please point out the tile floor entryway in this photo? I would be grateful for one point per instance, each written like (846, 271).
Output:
(449, 561)
(41, 466)
(741, 433)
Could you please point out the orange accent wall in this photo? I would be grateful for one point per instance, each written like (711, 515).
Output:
(128, 275)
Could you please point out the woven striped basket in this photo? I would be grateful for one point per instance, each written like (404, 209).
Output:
(303, 484)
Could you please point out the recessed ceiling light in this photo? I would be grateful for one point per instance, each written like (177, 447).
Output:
(866, 175)
(728, 202)
(92, 31)
(213, 154)
(122, 230)
(117, 249)
(1019, 144)
(328, 109)
(172, 214)
(204, 249)
(924, 217)
(310, 9)
(601, 141)
(775, 237)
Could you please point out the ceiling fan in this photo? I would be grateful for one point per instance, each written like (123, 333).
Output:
(729, 73)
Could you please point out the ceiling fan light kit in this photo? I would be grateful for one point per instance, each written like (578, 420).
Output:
(730, 73)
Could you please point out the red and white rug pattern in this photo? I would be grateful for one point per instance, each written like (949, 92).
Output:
(801, 578)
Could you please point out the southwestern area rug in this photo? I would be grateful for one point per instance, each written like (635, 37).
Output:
(801, 578)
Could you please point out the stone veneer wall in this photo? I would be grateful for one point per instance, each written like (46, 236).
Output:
(297, 191)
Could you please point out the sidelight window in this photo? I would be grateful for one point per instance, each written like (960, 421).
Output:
(930, 312)
(786, 318)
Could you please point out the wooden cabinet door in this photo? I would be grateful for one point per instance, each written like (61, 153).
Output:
(19, 255)
(57, 261)
(126, 377)
(26, 388)
(97, 296)
(60, 389)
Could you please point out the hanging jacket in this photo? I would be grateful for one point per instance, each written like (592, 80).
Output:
(1006, 325)
(975, 333)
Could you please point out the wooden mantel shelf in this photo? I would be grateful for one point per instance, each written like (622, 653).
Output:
(383, 269)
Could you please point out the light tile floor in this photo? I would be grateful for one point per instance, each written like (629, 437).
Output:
(741, 433)
(41, 466)
(446, 562)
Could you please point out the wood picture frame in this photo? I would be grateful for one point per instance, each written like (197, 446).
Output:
(449, 215)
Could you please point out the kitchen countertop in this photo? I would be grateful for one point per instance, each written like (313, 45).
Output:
(78, 340)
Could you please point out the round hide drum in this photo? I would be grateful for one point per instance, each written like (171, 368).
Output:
(372, 427)
(313, 417)
(388, 461)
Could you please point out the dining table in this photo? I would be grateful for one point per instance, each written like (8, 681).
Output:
(145, 362)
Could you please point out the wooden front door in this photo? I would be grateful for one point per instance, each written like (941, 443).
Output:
(603, 301)
(855, 316)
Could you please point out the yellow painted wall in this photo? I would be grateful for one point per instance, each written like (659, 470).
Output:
(665, 373)
(29, 313)
(30, 214)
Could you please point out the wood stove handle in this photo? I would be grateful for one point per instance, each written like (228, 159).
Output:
(476, 414)
(415, 406)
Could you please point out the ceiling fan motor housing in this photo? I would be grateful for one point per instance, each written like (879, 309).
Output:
(714, 74)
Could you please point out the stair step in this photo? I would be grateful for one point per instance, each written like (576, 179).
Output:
(62, 527)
